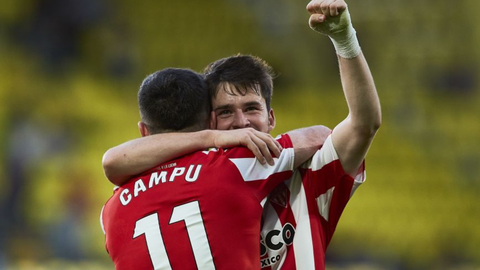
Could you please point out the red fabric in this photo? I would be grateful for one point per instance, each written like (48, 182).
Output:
(229, 212)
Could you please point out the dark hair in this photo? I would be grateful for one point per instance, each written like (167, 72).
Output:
(244, 73)
(174, 99)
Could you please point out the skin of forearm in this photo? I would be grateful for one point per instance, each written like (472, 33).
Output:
(361, 95)
(353, 136)
(138, 155)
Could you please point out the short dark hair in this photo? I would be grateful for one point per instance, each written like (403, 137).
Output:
(243, 72)
(174, 99)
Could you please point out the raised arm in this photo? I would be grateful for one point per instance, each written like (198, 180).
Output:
(354, 135)
(122, 162)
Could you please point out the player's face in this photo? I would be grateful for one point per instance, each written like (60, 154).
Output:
(237, 111)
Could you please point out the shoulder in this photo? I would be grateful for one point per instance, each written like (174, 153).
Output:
(325, 154)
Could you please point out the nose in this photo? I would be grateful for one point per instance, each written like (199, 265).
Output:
(240, 121)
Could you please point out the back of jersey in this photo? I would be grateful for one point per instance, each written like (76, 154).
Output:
(201, 211)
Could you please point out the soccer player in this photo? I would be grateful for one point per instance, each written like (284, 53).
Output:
(300, 215)
(200, 211)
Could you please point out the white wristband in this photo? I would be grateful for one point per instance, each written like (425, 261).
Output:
(347, 47)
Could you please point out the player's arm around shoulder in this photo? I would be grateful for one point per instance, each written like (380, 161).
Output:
(122, 162)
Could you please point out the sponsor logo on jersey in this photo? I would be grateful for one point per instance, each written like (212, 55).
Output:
(273, 242)
(271, 260)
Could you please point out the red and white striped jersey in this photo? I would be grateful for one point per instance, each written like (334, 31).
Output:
(300, 215)
(201, 211)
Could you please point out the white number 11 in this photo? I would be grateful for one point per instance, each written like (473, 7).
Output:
(190, 213)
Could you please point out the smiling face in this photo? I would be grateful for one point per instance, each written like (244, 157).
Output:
(233, 110)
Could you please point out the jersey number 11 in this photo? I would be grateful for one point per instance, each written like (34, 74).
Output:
(190, 213)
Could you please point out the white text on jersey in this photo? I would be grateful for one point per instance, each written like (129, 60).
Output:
(157, 177)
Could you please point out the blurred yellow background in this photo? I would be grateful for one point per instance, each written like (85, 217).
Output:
(69, 75)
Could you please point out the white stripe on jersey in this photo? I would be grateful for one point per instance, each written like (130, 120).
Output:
(326, 155)
(302, 242)
(359, 179)
(263, 202)
(324, 201)
(101, 220)
(253, 170)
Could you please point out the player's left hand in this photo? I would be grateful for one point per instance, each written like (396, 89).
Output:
(262, 144)
(329, 17)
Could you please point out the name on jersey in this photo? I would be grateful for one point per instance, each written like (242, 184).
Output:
(189, 174)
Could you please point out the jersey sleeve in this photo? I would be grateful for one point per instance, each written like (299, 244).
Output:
(330, 185)
(326, 155)
(263, 177)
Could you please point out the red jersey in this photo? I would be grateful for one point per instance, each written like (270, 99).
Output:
(201, 211)
(301, 215)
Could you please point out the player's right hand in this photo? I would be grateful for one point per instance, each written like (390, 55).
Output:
(329, 17)
(263, 145)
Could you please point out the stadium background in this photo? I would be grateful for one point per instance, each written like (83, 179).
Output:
(69, 74)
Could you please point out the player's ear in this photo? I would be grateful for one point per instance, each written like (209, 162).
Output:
(271, 120)
(143, 128)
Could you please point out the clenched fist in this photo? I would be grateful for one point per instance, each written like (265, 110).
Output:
(331, 18)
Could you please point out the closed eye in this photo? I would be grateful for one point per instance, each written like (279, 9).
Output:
(252, 108)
